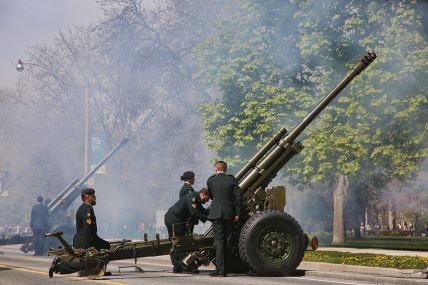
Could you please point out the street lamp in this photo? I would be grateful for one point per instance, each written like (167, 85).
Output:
(20, 68)
(20, 65)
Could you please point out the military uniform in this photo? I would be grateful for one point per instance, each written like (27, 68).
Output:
(187, 209)
(226, 204)
(185, 189)
(86, 229)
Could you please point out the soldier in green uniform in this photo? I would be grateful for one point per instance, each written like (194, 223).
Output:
(189, 179)
(181, 214)
(86, 223)
(225, 209)
(85, 237)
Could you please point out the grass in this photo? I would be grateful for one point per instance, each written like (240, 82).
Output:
(367, 259)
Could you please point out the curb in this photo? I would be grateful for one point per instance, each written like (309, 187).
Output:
(375, 275)
(372, 279)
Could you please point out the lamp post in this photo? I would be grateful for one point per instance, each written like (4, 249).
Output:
(20, 68)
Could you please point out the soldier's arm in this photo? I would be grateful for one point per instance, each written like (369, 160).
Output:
(238, 199)
(195, 211)
(88, 220)
(32, 217)
(210, 194)
(204, 210)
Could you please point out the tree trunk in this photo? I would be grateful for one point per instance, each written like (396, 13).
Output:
(339, 198)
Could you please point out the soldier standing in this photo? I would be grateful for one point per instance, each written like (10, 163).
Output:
(224, 211)
(189, 179)
(39, 223)
(86, 223)
(185, 210)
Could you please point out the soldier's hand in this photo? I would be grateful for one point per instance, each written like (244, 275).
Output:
(236, 219)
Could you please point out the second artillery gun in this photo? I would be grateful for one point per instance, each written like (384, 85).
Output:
(267, 241)
(59, 205)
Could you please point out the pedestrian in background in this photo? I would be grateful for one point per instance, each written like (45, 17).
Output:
(39, 223)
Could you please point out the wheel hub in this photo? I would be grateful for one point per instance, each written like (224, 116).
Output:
(275, 246)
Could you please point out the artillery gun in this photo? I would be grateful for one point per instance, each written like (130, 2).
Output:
(267, 241)
(59, 205)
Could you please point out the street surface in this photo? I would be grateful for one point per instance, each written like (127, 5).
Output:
(19, 268)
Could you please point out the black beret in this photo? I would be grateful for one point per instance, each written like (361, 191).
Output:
(187, 175)
(88, 191)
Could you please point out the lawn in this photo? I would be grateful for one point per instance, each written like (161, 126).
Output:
(367, 259)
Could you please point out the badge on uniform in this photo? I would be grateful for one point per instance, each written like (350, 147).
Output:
(89, 221)
(88, 214)
(194, 206)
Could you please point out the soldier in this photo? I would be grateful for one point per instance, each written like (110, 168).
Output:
(185, 210)
(39, 223)
(225, 209)
(85, 237)
(189, 179)
(86, 223)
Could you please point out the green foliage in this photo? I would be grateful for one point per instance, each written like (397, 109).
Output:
(377, 124)
(367, 259)
(394, 241)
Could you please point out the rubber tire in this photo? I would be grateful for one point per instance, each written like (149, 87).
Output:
(249, 249)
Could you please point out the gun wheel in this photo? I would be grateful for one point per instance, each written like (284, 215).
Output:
(271, 243)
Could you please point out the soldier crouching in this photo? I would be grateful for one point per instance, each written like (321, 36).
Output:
(179, 217)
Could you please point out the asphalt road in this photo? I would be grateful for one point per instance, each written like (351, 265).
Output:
(19, 268)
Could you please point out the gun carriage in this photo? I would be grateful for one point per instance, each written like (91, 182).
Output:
(267, 240)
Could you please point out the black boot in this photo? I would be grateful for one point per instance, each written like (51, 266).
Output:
(54, 267)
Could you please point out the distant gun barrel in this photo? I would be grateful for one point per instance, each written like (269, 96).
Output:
(71, 192)
(276, 153)
(61, 196)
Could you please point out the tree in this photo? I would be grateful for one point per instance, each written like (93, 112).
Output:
(360, 134)
(372, 109)
(137, 66)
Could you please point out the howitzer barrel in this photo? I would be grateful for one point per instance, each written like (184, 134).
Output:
(262, 152)
(270, 159)
(362, 64)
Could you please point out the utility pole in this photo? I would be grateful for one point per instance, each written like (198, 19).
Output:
(86, 135)
(20, 68)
